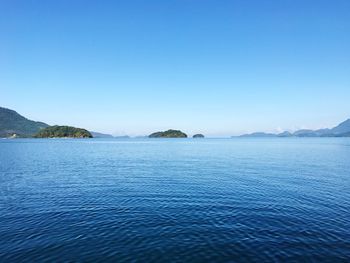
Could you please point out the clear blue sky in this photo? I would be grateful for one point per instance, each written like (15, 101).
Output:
(215, 67)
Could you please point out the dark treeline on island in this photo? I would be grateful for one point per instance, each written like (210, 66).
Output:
(63, 132)
(198, 136)
(100, 135)
(168, 134)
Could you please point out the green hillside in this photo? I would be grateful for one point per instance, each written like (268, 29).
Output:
(13, 123)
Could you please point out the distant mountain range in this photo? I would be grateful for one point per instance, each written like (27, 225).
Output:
(342, 130)
(100, 135)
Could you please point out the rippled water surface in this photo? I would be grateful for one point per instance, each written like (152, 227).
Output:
(175, 200)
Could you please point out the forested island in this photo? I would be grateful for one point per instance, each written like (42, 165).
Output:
(198, 136)
(168, 134)
(63, 132)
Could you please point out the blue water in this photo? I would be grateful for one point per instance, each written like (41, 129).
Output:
(175, 200)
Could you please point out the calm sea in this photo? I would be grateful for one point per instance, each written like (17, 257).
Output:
(175, 200)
